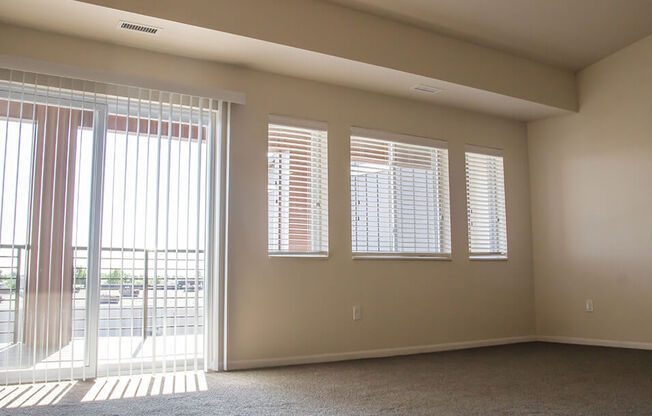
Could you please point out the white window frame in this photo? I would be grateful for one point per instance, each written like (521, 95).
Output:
(397, 255)
(319, 185)
(497, 254)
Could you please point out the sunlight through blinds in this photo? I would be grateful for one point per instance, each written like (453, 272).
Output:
(104, 226)
(399, 196)
(485, 198)
(297, 187)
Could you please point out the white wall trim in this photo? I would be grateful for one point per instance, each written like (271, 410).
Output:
(375, 353)
(596, 342)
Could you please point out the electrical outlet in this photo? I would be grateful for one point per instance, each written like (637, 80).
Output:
(357, 313)
(589, 305)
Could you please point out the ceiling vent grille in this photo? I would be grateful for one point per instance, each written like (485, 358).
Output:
(139, 28)
(428, 89)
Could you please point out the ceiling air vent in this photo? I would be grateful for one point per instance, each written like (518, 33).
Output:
(428, 89)
(139, 28)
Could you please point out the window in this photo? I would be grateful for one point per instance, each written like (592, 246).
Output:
(297, 188)
(485, 199)
(399, 196)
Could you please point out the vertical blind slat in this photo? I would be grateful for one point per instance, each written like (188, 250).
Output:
(58, 173)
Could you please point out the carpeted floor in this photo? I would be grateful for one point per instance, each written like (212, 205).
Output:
(522, 379)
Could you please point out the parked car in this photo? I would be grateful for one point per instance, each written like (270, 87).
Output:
(129, 292)
(189, 286)
(109, 298)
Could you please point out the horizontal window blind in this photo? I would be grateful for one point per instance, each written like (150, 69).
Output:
(399, 196)
(297, 188)
(485, 194)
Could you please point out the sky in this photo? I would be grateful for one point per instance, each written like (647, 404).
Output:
(154, 192)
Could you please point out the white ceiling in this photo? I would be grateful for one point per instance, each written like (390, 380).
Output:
(567, 33)
(100, 23)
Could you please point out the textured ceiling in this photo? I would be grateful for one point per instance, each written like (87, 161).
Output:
(567, 33)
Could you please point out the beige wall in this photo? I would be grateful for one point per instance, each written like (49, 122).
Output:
(591, 182)
(293, 307)
(281, 307)
(374, 40)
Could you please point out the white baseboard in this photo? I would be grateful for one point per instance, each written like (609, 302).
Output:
(596, 342)
(421, 349)
(376, 353)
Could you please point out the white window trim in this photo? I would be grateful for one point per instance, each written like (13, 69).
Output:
(490, 151)
(398, 137)
(400, 256)
(407, 139)
(313, 125)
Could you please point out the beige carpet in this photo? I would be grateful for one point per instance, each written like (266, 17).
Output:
(523, 379)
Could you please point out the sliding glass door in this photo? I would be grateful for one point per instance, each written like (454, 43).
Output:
(44, 216)
(106, 216)
(151, 305)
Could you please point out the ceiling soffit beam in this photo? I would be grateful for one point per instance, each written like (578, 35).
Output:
(331, 29)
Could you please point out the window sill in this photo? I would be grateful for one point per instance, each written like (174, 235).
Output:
(488, 258)
(361, 256)
(298, 255)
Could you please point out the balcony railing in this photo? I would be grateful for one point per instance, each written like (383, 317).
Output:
(11, 261)
(142, 291)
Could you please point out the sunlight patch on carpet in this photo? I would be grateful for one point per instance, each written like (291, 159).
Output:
(127, 387)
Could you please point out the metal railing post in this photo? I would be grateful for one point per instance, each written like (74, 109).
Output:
(145, 294)
(17, 295)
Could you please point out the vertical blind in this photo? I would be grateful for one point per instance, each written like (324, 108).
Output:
(297, 187)
(399, 195)
(485, 196)
(103, 227)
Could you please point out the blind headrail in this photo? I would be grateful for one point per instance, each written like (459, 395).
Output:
(110, 80)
